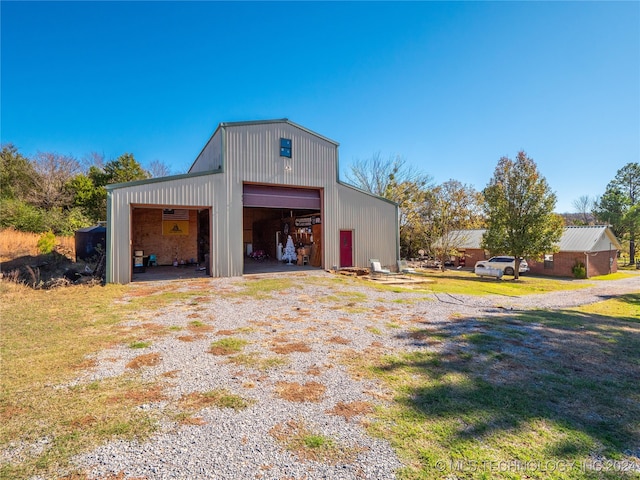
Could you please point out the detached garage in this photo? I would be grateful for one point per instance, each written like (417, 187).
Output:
(253, 185)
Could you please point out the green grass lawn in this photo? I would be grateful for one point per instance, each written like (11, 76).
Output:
(531, 395)
(558, 390)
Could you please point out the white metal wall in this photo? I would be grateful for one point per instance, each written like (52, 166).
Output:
(375, 226)
(196, 191)
(210, 158)
(250, 152)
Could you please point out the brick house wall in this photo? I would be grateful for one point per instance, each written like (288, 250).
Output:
(471, 256)
(563, 262)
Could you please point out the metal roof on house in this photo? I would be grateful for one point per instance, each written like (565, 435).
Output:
(587, 238)
(465, 239)
(590, 238)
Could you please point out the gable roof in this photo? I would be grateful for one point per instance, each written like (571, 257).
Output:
(587, 238)
(466, 239)
(574, 239)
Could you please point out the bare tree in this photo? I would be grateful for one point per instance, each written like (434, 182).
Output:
(94, 159)
(584, 207)
(158, 168)
(379, 176)
(393, 179)
(52, 172)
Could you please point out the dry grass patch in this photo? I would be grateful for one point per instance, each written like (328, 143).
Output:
(350, 410)
(220, 398)
(225, 332)
(296, 392)
(189, 420)
(299, 439)
(15, 244)
(254, 360)
(146, 394)
(198, 327)
(171, 373)
(190, 338)
(146, 291)
(292, 347)
(314, 371)
(145, 360)
(339, 340)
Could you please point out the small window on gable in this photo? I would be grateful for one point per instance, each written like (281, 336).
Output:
(285, 147)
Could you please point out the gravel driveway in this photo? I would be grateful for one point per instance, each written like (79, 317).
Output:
(239, 444)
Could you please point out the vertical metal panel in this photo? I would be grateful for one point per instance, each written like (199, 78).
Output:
(193, 191)
(210, 158)
(251, 153)
(375, 226)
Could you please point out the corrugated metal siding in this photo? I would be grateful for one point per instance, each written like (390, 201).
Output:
(198, 191)
(210, 158)
(252, 154)
(375, 226)
(586, 239)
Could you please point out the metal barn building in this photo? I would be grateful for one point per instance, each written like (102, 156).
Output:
(252, 185)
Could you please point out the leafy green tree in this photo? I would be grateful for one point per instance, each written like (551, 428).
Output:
(410, 197)
(454, 206)
(125, 168)
(89, 192)
(519, 208)
(618, 206)
(18, 214)
(16, 173)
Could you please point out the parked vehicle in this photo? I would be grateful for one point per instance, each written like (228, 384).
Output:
(506, 264)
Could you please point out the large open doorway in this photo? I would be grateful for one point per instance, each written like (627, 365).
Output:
(169, 242)
(273, 213)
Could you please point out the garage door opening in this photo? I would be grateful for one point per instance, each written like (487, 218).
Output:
(169, 243)
(270, 215)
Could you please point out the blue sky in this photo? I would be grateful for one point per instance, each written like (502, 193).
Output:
(451, 87)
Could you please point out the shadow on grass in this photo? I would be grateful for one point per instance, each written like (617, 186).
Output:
(492, 377)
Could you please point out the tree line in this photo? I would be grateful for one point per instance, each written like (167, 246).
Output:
(58, 193)
(516, 207)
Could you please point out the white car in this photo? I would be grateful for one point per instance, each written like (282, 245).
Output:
(506, 264)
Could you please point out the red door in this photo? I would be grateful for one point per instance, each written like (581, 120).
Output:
(346, 248)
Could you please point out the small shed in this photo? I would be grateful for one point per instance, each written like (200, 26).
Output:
(90, 241)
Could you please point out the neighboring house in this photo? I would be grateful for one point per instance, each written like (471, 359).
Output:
(594, 246)
(467, 242)
(252, 185)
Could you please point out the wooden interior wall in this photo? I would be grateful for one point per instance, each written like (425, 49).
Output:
(146, 235)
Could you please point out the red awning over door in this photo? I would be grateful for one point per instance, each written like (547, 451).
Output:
(280, 197)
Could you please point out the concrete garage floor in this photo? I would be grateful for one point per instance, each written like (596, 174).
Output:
(251, 267)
